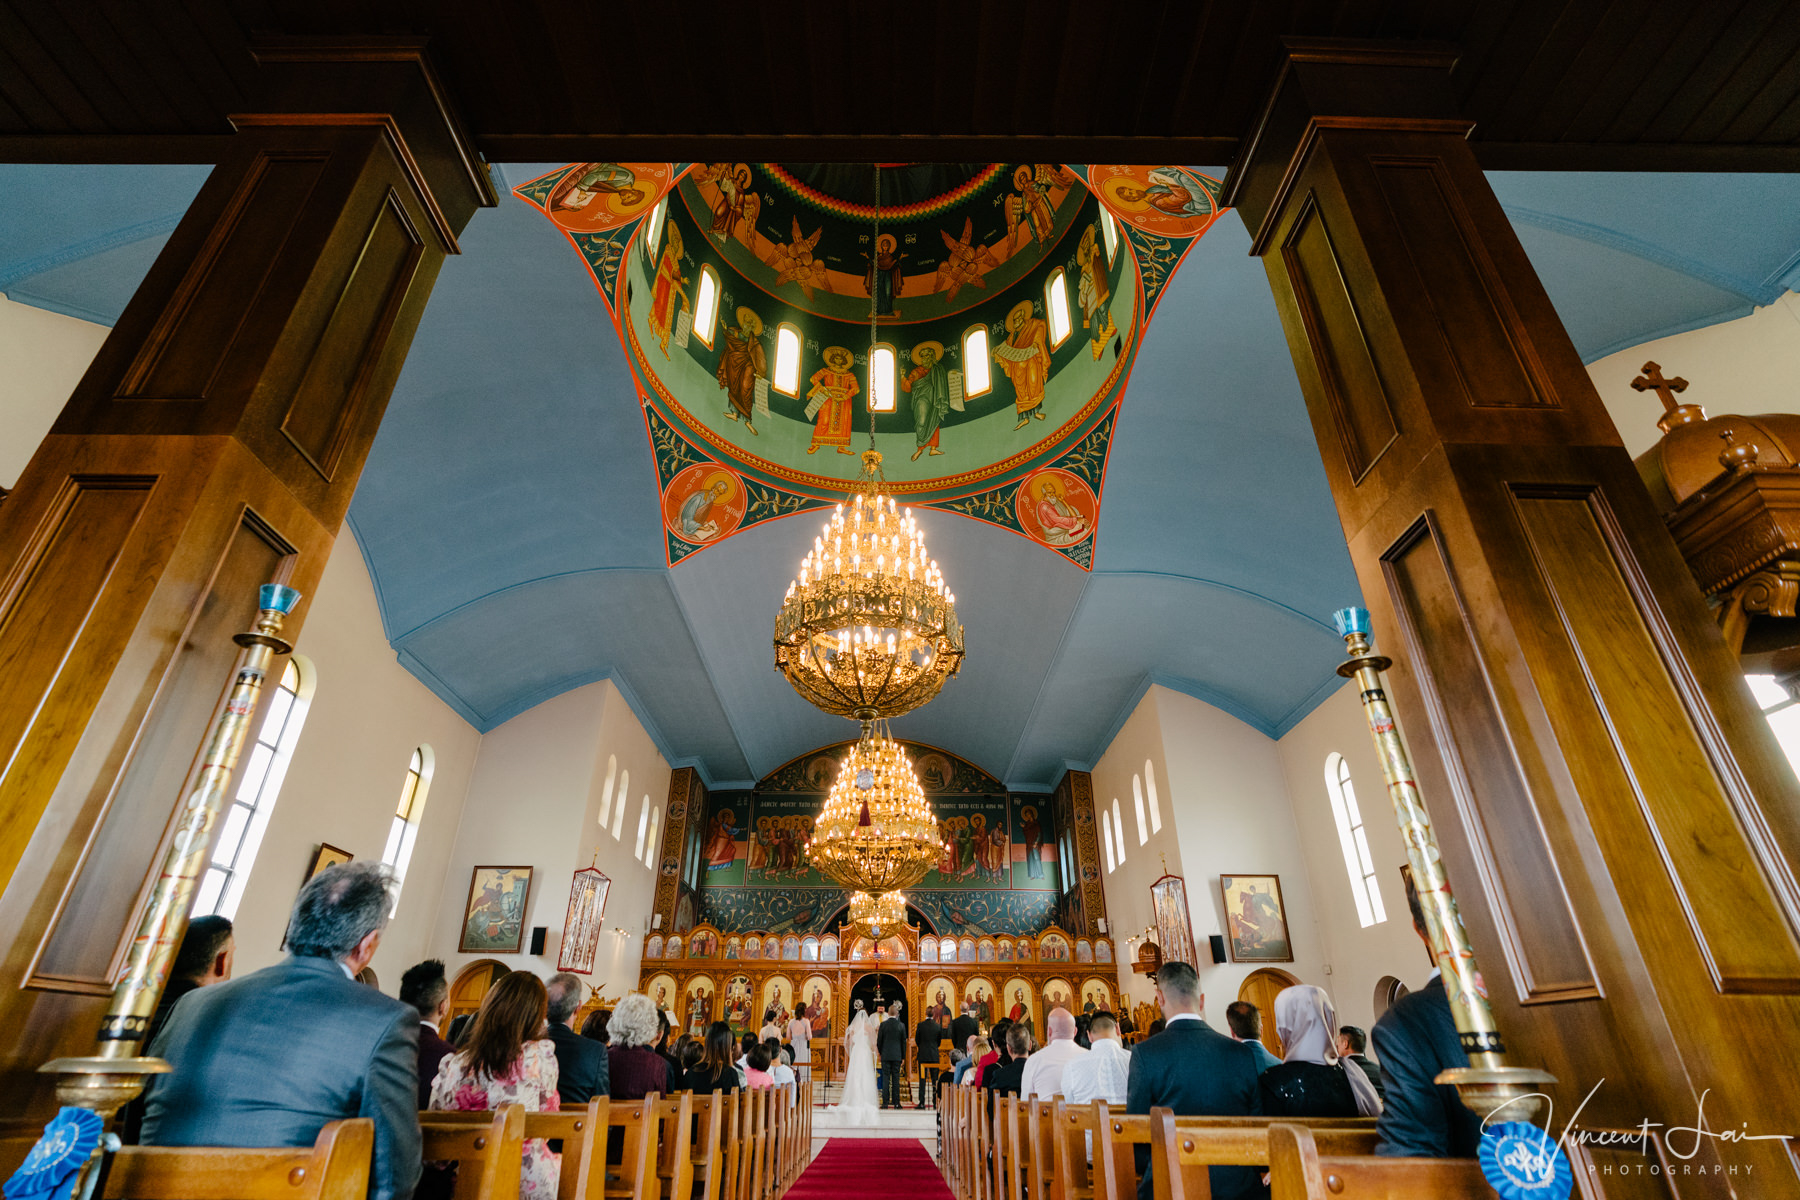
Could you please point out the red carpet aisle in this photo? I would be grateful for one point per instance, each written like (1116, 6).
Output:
(852, 1166)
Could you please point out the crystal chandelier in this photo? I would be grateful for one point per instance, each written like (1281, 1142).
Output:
(876, 833)
(877, 916)
(869, 629)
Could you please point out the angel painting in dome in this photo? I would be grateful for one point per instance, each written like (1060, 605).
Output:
(736, 205)
(1028, 208)
(964, 262)
(794, 262)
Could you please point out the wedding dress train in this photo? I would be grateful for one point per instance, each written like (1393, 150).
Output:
(860, 1104)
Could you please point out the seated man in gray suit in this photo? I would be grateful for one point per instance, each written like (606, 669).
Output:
(582, 1070)
(269, 1058)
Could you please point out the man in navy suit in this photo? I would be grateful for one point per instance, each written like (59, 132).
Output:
(424, 987)
(1197, 1071)
(270, 1058)
(1414, 1040)
(582, 1069)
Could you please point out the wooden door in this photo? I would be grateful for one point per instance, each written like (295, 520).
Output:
(1260, 988)
(471, 985)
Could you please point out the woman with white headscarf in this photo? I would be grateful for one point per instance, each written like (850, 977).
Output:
(1311, 1080)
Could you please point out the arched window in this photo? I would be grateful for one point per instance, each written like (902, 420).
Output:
(1354, 841)
(1155, 804)
(1137, 793)
(618, 829)
(405, 828)
(1119, 829)
(1106, 838)
(881, 378)
(643, 827)
(650, 846)
(653, 228)
(606, 793)
(1109, 230)
(978, 375)
(786, 379)
(706, 305)
(242, 824)
(1056, 304)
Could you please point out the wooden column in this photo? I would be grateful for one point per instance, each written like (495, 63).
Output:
(684, 818)
(1619, 825)
(213, 445)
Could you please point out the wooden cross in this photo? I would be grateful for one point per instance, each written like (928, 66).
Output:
(1652, 381)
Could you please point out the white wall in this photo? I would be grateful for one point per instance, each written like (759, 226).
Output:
(1746, 366)
(534, 801)
(42, 357)
(1357, 957)
(366, 717)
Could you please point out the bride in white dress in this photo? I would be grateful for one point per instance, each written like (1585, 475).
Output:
(860, 1104)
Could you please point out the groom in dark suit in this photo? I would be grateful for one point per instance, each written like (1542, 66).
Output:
(890, 1046)
(1197, 1071)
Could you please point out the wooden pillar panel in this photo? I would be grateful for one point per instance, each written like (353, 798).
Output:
(213, 445)
(1619, 825)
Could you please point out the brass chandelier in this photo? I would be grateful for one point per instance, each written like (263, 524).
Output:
(869, 629)
(877, 916)
(876, 832)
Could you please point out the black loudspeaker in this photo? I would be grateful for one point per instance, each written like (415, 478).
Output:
(1218, 947)
(539, 933)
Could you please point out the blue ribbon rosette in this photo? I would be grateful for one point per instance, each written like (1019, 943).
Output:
(1523, 1163)
(50, 1170)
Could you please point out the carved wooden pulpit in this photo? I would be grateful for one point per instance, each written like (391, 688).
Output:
(1729, 488)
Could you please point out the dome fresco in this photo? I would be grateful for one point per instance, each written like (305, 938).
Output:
(1011, 300)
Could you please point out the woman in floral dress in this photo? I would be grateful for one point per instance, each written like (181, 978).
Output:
(505, 1061)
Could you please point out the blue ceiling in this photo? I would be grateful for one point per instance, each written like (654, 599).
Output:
(508, 512)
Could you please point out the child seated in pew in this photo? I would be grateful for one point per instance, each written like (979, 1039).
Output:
(756, 1067)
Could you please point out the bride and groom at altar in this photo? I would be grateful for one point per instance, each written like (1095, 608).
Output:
(872, 1041)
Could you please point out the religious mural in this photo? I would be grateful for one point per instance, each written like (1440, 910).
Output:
(1001, 401)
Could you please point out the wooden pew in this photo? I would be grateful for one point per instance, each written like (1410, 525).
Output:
(488, 1153)
(1180, 1154)
(581, 1131)
(1027, 1164)
(1223, 1141)
(1298, 1170)
(334, 1167)
(1072, 1128)
(631, 1169)
(674, 1133)
(706, 1144)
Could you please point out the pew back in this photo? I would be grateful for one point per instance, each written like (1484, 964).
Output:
(334, 1167)
(1299, 1171)
(488, 1153)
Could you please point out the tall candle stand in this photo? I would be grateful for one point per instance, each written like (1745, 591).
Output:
(1487, 1084)
(117, 1072)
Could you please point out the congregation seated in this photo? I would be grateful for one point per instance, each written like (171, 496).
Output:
(714, 1070)
(979, 1049)
(1099, 1074)
(779, 1068)
(1416, 1039)
(459, 1029)
(1195, 1071)
(998, 1055)
(1351, 1042)
(1005, 1077)
(756, 1067)
(1244, 1020)
(665, 1042)
(581, 1063)
(1312, 1081)
(1043, 1074)
(425, 988)
(1084, 1022)
(634, 1067)
(269, 1059)
(506, 1062)
(594, 1026)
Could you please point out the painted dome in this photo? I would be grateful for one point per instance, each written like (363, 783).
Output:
(1009, 300)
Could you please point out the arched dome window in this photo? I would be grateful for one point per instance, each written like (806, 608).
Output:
(1056, 304)
(978, 375)
(786, 379)
(706, 306)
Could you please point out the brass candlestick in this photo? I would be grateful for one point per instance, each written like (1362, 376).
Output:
(1487, 1084)
(117, 1072)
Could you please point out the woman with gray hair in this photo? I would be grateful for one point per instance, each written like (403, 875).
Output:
(636, 1069)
